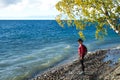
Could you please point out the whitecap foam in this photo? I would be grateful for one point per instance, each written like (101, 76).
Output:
(67, 47)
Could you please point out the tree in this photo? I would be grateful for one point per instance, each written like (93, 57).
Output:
(79, 12)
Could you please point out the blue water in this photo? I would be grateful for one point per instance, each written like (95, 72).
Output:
(113, 56)
(28, 46)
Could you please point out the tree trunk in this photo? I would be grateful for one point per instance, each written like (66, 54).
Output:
(109, 22)
(113, 27)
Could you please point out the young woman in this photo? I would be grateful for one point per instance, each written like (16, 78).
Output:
(82, 50)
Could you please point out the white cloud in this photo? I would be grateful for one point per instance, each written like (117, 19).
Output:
(5, 3)
(28, 9)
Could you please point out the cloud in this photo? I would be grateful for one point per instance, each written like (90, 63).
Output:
(4, 3)
(28, 8)
(8, 2)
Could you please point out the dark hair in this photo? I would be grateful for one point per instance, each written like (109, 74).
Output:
(80, 40)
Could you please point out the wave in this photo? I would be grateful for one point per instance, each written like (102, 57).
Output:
(37, 60)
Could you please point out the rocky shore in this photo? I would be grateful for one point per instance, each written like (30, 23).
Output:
(96, 69)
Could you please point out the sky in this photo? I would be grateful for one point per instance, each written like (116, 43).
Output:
(28, 9)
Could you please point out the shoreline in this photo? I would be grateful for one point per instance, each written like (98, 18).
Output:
(96, 68)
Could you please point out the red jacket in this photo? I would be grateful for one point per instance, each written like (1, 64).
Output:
(81, 50)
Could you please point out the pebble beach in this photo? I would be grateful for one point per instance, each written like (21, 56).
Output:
(96, 69)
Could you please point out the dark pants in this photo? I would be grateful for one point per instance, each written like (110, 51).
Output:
(82, 64)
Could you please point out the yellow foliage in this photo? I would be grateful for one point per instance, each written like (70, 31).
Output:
(69, 22)
(81, 35)
(58, 19)
(100, 11)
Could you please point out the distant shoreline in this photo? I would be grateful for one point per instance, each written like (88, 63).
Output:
(96, 68)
